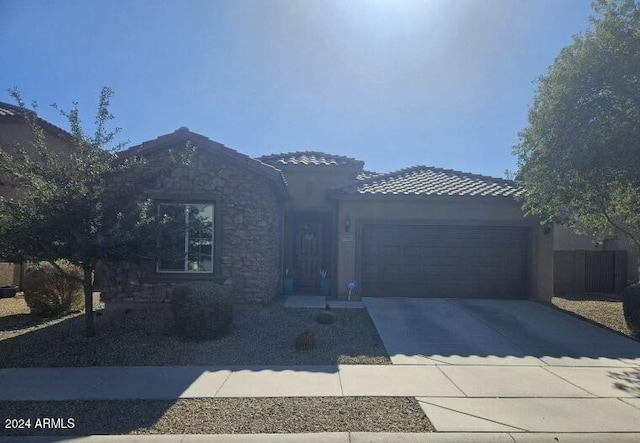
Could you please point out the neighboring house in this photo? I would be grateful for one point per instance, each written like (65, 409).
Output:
(417, 232)
(15, 133)
(590, 264)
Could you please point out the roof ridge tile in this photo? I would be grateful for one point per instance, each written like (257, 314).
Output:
(315, 158)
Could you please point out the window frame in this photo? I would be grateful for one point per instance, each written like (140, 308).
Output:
(214, 237)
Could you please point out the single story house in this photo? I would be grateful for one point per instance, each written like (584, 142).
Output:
(418, 232)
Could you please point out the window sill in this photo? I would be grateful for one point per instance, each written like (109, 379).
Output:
(170, 277)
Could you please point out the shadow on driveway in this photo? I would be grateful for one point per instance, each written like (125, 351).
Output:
(518, 332)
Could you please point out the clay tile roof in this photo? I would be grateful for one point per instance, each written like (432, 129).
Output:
(425, 180)
(365, 175)
(311, 158)
(7, 110)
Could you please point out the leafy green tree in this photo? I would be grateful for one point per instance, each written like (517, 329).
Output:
(579, 156)
(84, 207)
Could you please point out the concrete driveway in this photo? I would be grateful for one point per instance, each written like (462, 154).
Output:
(519, 365)
(503, 332)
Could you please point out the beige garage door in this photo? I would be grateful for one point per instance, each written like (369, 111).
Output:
(444, 261)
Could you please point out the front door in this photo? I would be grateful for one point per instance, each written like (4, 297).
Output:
(308, 252)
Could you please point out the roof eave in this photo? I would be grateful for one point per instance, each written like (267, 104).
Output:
(506, 199)
(167, 141)
(20, 118)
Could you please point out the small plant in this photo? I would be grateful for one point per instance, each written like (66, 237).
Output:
(631, 308)
(325, 317)
(306, 340)
(202, 311)
(323, 273)
(50, 293)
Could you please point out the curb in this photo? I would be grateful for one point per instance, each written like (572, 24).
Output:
(347, 437)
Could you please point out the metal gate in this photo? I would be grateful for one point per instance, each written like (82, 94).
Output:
(578, 272)
(599, 270)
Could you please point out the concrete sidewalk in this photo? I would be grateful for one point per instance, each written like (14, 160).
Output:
(455, 398)
(172, 382)
(347, 437)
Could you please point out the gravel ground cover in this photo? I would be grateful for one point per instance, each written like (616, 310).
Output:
(224, 416)
(15, 318)
(605, 312)
(260, 336)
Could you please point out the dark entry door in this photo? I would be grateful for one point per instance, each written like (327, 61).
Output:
(308, 252)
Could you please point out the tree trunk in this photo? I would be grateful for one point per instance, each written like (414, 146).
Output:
(90, 327)
(638, 264)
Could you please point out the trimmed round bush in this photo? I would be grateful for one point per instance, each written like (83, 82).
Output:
(202, 311)
(325, 317)
(306, 340)
(631, 307)
(49, 293)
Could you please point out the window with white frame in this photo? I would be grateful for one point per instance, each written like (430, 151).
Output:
(186, 240)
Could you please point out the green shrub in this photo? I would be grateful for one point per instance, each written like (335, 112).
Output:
(631, 307)
(325, 317)
(305, 341)
(202, 311)
(49, 293)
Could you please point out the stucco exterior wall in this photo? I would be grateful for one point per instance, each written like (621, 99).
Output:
(249, 217)
(20, 133)
(466, 210)
(14, 135)
(308, 186)
(566, 240)
(9, 274)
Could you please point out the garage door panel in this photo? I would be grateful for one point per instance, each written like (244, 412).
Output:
(444, 261)
(449, 259)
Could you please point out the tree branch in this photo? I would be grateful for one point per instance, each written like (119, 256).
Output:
(620, 228)
(64, 274)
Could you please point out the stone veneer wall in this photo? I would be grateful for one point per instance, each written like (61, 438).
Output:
(250, 221)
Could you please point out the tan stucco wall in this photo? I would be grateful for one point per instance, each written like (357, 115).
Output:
(502, 212)
(9, 274)
(308, 187)
(14, 134)
(567, 240)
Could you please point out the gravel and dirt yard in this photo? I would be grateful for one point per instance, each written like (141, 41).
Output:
(606, 311)
(226, 416)
(259, 336)
(15, 318)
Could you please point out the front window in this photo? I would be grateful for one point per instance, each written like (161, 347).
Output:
(186, 241)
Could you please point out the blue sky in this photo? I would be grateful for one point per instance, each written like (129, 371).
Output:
(395, 83)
